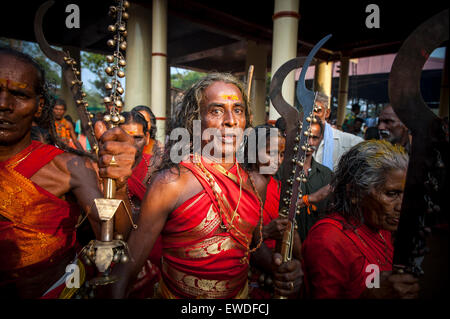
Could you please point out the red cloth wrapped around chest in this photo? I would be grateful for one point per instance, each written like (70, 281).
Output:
(199, 257)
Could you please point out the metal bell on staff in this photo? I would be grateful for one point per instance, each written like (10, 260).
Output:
(107, 250)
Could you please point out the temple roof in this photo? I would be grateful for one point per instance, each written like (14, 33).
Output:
(209, 35)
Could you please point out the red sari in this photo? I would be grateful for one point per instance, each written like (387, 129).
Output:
(271, 206)
(136, 184)
(40, 228)
(200, 259)
(336, 254)
(150, 273)
(257, 290)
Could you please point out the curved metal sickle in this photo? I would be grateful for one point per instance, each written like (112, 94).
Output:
(289, 113)
(53, 54)
(426, 129)
(305, 96)
(68, 76)
(404, 79)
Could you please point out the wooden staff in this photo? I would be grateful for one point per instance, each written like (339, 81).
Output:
(249, 80)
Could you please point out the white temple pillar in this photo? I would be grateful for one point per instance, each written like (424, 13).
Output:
(343, 91)
(284, 46)
(323, 77)
(139, 48)
(159, 66)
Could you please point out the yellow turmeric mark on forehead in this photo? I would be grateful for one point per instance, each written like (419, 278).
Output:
(8, 83)
(131, 132)
(229, 97)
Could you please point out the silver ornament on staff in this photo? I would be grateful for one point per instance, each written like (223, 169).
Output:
(110, 250)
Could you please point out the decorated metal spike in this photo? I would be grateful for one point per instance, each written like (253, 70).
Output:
(107, 250)
(117, 60)
(81, 102)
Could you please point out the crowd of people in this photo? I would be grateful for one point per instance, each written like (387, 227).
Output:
(208, 226)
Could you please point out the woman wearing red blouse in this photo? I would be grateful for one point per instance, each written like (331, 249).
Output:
(342, 250)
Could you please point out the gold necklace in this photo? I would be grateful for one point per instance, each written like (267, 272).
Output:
(212, 183)
(240, 193)
(23, 157)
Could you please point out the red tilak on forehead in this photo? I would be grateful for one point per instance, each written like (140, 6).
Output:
(8, 83)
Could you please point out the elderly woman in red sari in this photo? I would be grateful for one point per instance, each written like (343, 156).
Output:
(343, 250)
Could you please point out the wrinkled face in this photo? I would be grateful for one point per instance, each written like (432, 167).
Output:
(390, 126)
(137, 132)
(314, 138)
(58, 112)
(19, 102)
(222, 108)
(381, 208)
(273, 156)
(323, 113)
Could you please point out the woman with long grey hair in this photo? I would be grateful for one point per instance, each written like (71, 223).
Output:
(345, 251)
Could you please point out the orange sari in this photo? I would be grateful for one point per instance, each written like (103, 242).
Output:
(40, 228)
(200, 259)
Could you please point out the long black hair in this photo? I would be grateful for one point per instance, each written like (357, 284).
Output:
(136, 117)
(144, 108)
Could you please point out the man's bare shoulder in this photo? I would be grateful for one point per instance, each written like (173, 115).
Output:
(69, 162)
(65, 172)
(176, 184)
(173, 177)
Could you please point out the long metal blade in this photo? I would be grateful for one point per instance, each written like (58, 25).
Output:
(305, 96)
(428, 137)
